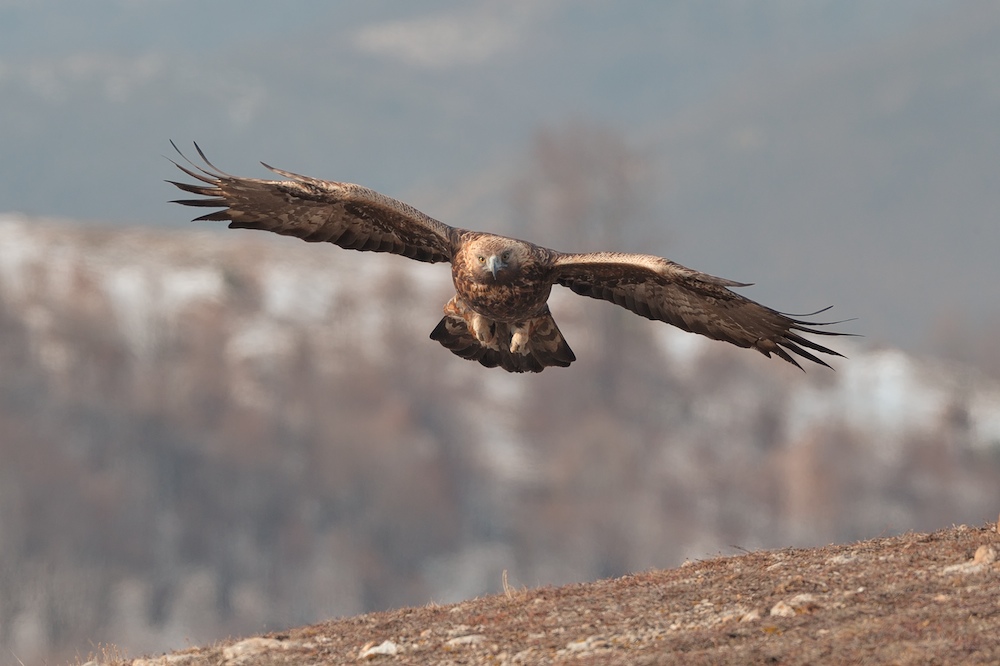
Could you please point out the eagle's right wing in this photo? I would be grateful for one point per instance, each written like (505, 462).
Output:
(314, 210)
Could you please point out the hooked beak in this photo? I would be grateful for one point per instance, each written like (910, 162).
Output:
(494, 264)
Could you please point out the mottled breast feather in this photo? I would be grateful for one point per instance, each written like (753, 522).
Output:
(515, 297)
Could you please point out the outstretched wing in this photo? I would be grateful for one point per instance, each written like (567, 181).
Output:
(348, 215)
(697, 302)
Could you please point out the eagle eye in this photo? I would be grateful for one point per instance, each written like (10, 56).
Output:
(505, 256)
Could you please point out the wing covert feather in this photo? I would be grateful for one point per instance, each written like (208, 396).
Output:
(348, 215)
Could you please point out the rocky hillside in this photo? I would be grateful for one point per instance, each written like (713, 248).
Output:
(208, 435)
(911, 599)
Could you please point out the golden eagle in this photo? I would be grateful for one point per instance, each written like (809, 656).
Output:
(499, 315)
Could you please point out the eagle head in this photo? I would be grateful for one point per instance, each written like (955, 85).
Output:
(497, 257)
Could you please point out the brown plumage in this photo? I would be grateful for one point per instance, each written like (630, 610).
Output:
(499, 314)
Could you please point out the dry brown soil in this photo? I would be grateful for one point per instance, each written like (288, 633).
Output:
(910, 599)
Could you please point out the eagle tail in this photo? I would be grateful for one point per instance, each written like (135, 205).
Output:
(545, 344)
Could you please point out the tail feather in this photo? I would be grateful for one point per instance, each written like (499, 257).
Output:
(545, 347)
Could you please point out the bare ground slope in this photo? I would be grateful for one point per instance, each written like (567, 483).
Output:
(915, 598)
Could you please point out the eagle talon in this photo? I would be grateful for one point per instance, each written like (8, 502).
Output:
(519, 341)
(485, 331)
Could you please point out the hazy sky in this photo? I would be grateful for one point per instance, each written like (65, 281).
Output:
(381, 83)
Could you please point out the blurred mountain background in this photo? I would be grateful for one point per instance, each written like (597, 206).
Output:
(207, 434)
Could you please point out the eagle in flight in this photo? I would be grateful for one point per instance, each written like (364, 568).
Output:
(499, 314)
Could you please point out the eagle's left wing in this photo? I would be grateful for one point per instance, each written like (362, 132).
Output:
(348, 215)
(697, 302)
